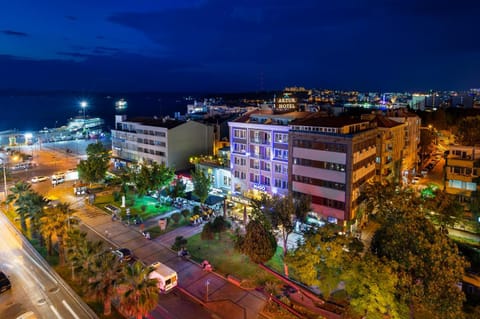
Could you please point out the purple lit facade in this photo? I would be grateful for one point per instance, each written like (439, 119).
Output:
(259, 152)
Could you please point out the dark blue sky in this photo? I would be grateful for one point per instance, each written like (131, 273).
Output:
(223, 45)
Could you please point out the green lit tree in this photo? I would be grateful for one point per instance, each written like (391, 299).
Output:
(94, 168)
(201, 185)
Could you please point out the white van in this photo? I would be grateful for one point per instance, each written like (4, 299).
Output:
(167, 277)
(58, 178)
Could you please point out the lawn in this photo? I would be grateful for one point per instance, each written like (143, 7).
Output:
(145, 207)
(225, 260)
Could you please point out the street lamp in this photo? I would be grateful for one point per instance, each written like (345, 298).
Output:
(84, 105)
(4, 177)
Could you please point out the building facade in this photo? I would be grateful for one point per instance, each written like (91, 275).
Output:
(462, 172)
(259, 152)
(165, 141)
(331, 158)
(390, 150)
(410, 162)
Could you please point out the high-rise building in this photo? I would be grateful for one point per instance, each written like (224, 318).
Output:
(330, 159)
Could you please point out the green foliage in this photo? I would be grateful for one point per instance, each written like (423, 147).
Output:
(143, 208)
(468, 133)
(429, 266)
(141, 293)
(444, 209)
(259, 243)
(94, 168)
(207, 232)
(177, 189)
(153, 177)
(371, 287)
(180, 242)
(201, 184)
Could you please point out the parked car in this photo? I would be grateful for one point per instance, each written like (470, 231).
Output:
(38, 179)
(4, 282)
(124, 254)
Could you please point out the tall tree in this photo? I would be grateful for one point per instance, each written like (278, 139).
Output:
(19, 196)
(201, 184)
(162, 176)
(259, 243)
(55, 222)
(140, 293)
(371, 287)
(94, 168)
(82, 253)
(108, 272)
(444, 210)
(177, 189)
(429, 266)
(320, 259)
(468, 133)
(283, 212)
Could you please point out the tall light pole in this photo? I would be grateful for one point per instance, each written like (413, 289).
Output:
(4, 177)
(84, 105)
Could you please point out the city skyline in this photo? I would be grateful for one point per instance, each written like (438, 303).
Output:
(230, 47)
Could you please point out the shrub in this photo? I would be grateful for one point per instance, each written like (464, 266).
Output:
(143, 208)
(180, 242)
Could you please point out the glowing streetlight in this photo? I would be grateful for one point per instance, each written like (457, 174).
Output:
(84, 105)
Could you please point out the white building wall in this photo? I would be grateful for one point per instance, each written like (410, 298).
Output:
(186, 140)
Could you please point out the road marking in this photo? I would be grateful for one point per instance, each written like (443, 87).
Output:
(55, 312)
(70, 309)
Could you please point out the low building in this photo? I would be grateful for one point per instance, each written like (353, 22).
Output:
(161, 140)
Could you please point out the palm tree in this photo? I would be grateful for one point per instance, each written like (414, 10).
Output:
(19, 197)
(108, 271)
(36, 205)
(81, 253)
(140, 293)
(55, 222)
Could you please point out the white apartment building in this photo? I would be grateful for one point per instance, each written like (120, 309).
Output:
(259, 152)
(164, 140)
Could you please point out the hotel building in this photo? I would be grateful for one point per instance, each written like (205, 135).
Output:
(259, 152)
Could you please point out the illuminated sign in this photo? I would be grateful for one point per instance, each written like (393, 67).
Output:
(259, 187)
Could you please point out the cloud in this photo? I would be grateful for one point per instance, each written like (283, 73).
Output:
(15, 33)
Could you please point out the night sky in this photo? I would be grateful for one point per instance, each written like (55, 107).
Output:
(227, 46)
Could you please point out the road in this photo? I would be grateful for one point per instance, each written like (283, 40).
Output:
(35, 286)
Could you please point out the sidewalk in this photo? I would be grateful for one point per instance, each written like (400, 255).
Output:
(213, 291)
